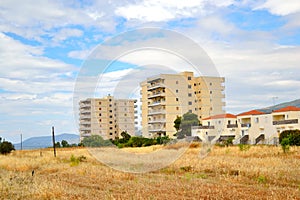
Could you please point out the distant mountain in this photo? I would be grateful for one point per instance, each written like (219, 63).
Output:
(46, 141)
(282, 105)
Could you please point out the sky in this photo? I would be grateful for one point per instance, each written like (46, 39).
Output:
(255, 45)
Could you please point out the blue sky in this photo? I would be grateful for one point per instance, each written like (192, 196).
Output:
(253, 44)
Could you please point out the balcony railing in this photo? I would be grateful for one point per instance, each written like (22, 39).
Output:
(156, 103)
(248, 125)
(157, 94)
(154, 86)
(232, 125)
(290, 121)
(163, 120)
(157, 112)
(203, 127)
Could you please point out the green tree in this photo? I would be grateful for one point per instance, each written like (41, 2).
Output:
(177, 123)
(95, 141)
(188, 120)
(6, 147)
(125, 136)
(64, 143)
(57, 144)
(292, 135)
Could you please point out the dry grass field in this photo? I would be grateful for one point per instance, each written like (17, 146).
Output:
(262, 172)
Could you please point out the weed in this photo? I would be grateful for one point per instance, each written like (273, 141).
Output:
(262, 179)
(244, 147)
(186, 168)
(76, 160)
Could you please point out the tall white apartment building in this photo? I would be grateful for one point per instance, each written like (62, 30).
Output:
(106, 117)
(166, 96)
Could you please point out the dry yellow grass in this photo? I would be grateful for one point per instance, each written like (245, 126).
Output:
(262, 172)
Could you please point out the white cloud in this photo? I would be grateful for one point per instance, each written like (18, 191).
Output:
(164, 10)
(279, 7)
(65, 33)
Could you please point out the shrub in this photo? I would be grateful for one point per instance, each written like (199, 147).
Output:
(76, 160)
(292, 135)
(285, 144)
(6, 147)
(244, 147)
(95, 141)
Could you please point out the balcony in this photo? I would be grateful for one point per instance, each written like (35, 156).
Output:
(157, 130)
(155, 86)
(282, 122)
(157, 103)
(203, 127)
(85, 128)
(232, 125)
(156, 112)
(162, 120)
(246, 125)
(261, 137)
(157, 94)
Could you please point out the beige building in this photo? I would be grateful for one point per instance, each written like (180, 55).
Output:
(217, 127)
(252, 127)
(106, 117)
(166, 96)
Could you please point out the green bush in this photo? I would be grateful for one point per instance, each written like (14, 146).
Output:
(95, 141)
(292, 135)
(244, 147)
(285, 144)
(76, 160)
(6, 147)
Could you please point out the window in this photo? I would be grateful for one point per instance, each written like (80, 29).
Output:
(177, 99)
(190, 103)
(110, 105)
(100, 114)
(100, 120)
(229, 121)
(210, 92)
(176, 82)
(189, 78)
(110, 133)
(189, 86)
(110, 128)
(210, 84)
(110, 110)
(196, 109)
(110, 116)
(100, 103)
(109, 99)
(195, 84)
(190, 111)
(177, 108)
(190, 94)
(110, 122)
(176, 91)
(99, 108)
(208, 123)
(256, 120)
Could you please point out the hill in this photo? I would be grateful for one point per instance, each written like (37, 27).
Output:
(281, 105)
(46, 141)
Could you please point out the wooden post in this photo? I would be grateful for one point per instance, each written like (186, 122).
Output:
(53, 140)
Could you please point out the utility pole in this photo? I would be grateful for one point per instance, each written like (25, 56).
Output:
(53, 140)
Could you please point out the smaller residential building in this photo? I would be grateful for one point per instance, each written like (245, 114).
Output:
(252, 127)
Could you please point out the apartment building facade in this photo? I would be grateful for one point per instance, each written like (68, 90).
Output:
(252, 127)
(166, 96)
(106, 117)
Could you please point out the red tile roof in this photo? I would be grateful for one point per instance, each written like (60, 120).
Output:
(251, 112)
(288, 108)
(221, 116)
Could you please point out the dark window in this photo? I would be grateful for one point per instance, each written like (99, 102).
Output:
(110, 110)
(189, 86)
(176, 82)
(110, 122)
(190, 111)
(176, 91)
(190, 94)
(189, 78)
(210, 92)
(190, 103)
(176, 99)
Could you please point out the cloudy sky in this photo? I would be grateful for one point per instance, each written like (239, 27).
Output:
(43, 44)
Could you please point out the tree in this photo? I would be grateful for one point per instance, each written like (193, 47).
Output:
(64, 143)
(177, 123)
(57, 144)
(6, 147)
(95, 141)
(188, 120)
(292, 135)
(125, 136)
